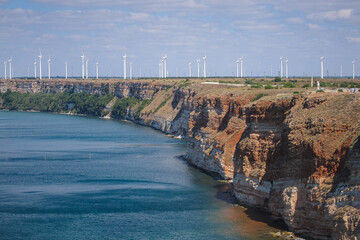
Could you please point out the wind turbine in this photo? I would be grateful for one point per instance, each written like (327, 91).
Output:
(341, 72)
(49, 61)
(162, 68)
(237, 67)
(286, 68)
(189, 69)
(124, 65)
(353, 63)
(40, 72)
(35, 69)
(82, 66)
(97, 70)
(130, 70)
(165, 70)
(66, 70)
(5, 65)
(322, 67)
(242, 66)
(198, 63)
(87, 68)
(10, 72)
(204, 58)
(281, 66)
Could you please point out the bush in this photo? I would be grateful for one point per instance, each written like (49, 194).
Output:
(277, 79)
(260, 95)
(248, 81)
(289, 85)
(269, 87)
(340, 90)
(306, 85)
(257, 85)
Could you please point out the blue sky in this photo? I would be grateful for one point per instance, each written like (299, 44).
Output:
(261, 31)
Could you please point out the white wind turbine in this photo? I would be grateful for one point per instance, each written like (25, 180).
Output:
(49, 61)
(10, 69)
(281, 66)
(87, 68)
(165, 70)
(353, 63)
(242, 66)
(162, 68)
(40, 70)
(130, 70)
(124, 65)
(97, 70)
(204, 58)
(189, 69)
(198, 65)
(82, 66)
(322, 67)
(66, 70)
(237, 67)
(5, 65)
(35, 69)
(286, 69)
(341, 71)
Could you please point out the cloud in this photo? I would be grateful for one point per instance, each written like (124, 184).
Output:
(353, 39)
(295, 20)
(332, 15)
(313, 26)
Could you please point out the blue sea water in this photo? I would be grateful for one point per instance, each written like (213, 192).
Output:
(72, 177)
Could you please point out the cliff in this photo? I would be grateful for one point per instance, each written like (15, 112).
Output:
(295, 156)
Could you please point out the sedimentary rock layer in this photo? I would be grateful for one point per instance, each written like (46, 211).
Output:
(297, 157)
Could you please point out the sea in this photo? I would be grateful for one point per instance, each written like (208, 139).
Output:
(76, 177)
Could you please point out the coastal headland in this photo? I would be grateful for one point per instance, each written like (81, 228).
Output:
(287, 148)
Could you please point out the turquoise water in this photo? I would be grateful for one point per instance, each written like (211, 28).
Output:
(71, 177)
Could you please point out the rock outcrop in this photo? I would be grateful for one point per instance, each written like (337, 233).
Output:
(297, 157)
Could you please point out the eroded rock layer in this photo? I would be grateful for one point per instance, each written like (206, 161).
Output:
(297, 157)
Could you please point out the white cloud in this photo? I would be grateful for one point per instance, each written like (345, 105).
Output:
(354, 39)
(332, 15)
(313, 26)
(295, 20)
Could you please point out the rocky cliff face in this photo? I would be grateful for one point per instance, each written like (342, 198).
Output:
(297, 157)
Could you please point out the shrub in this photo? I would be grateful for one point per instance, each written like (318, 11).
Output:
(289, 85)
(277, 79)
(260, 95)
(269, 87)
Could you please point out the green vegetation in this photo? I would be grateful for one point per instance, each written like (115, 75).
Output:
(289, 85)
(260, 95)
(340, 90)
(232, 82)
(306, 85)
(248, 81)
(350, 85)
(162, 103)
(268, 86)
(185, 83)
(123, 104)
(79, 103)
(256, 85)
(277, 79)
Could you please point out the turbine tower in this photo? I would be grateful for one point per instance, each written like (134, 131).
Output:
(353, 63)
(35, 69)
(165, 70)
(66, 68)
(124, 65)
(10, 72)
(189, 69)
(87, 68)
(286, 69)
(5, 65)
(162, 68)
(322, 67)
(242, 66)
(82, 66)
(204, 58)
(281, 66)
(237, 67)
(341, 73)
(49, 61)
(198, 63)
(40, 71)
(97, 70)
(130, 70)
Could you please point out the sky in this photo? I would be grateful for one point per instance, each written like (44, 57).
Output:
(185, 30)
